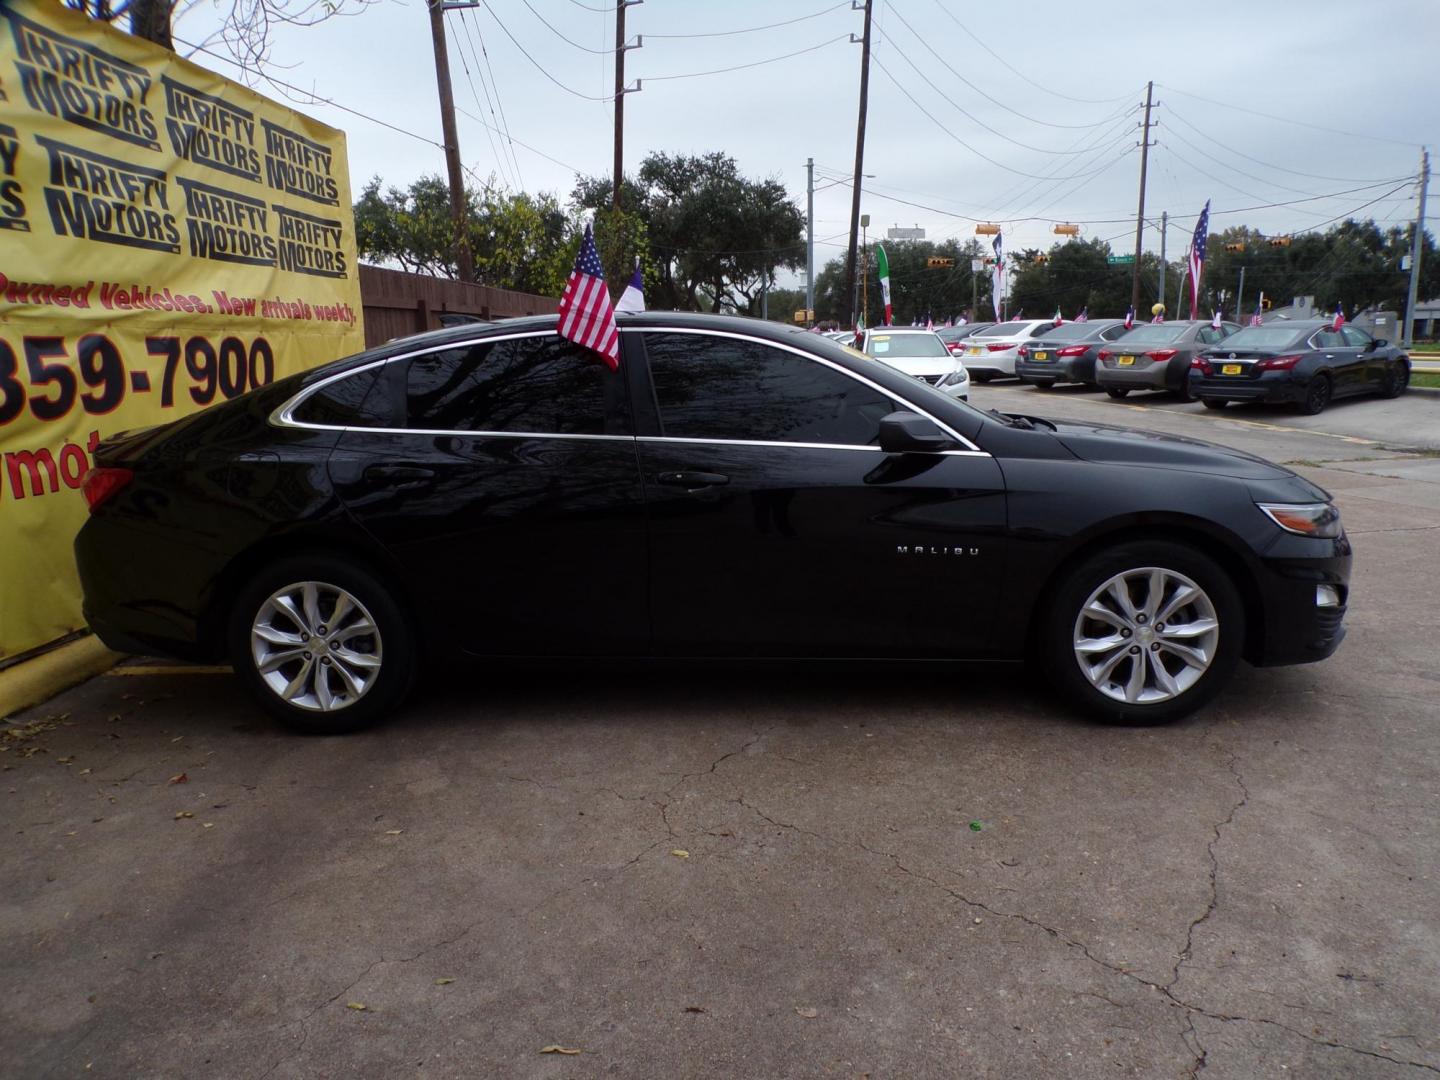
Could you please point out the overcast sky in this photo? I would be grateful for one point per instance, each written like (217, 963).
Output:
(1045, 131)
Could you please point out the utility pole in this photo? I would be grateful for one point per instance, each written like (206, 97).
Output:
(1164, 230)
(1417, 246)
(859, 156)
(458, 214)
(974, 291)
(809, 238)
(620, 6)
(1140, 213)
(1240, 297)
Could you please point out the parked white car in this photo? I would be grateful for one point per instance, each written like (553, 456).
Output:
(993, 351)
(920, 353)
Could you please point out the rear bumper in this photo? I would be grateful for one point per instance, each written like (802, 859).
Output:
(1152, 376)
(990, 364)
(1071, 369)
(1272, 386)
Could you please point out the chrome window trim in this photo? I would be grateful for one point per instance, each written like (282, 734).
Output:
(283, 416)
(972, 449)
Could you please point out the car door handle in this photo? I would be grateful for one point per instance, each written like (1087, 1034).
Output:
(693, 480)
(399, 472)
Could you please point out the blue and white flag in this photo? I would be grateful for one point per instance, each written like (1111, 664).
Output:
(998, 275)
(633, 298)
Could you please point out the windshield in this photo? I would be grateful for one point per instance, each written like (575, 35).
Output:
(905, 345)
(1260, 337)
(1155, 334)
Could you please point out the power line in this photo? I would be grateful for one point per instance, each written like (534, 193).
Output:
(742, 67)
(1267, 164)
(982, 92)
(489, 138)
(947, 131)
(1027, 77)
(312, 97)
(557, 33)
(1173, 134)
(495, 84)
(1289, 120)
(587, 7)
(536, 64)
(525, 145)
(753, 29)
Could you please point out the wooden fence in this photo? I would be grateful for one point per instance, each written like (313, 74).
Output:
(398, 303)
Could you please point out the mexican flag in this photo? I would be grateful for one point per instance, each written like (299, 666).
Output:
(882, 266)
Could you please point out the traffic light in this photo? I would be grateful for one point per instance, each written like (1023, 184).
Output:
(1066, 229)
(1265, 303)
(935, 262)
(1042, 259)
(1234, 247)
(987, 230)
(1280, 241)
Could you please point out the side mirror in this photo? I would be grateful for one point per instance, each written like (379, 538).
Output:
(1376, 343)
(904, 432)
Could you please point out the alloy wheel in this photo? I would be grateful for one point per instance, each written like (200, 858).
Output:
(316, 646)
(1146, 635)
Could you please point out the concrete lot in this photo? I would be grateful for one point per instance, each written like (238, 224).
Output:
(690, 874)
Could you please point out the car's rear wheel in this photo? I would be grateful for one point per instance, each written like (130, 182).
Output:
(1397, 379)
(1117, 392)
(1317, 395)
(322, 644)
(982, 376)
(1214, 403)
(1044, 384)
(1143, 633)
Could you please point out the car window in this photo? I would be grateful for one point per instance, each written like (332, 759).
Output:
(1070, 331)
(1110, 333)
(1328, 339)
(1355, 336)
(1209, 335)
(346, 402)
(1263, 337)
(542, 384)
(1156, 334)
(710, 387)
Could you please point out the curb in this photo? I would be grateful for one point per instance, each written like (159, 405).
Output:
(41, 678)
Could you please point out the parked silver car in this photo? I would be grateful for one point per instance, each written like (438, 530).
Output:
(1156, 356)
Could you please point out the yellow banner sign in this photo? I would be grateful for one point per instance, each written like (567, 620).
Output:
(168, 239)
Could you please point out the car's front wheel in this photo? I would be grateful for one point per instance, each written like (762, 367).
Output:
(1214, 403)
(982, 376)
(1145, 632)
(1397, 379)
(322, 644)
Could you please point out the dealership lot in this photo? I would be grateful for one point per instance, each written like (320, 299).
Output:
(693, 873)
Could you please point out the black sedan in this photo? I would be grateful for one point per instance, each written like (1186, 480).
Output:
(736, 490)
(1067, 353)
(1156, 356)
(1307, 364)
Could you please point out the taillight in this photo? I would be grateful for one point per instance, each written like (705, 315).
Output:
(1202, 365)
(999, 348)
(1104, 354)
(1073, 350)
(1162, 354)
(1023, 352)
(954, 346)
(102, 484)
(1279, 363)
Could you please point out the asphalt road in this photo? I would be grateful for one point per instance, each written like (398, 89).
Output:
(687, 874)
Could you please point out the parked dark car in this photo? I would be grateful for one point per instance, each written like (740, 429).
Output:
(1156, 356)
(1307, 364)
(737, 490)
(954, 336)
(1066, 354)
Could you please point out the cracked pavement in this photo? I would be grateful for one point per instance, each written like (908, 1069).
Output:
(700, 874)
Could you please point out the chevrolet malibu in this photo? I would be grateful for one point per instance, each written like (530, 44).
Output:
(735, 491)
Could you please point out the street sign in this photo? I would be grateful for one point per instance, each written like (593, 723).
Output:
(1121, 260)
(904, 234)
(933, 262)
(977, 265)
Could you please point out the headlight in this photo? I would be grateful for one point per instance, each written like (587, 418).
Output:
(1320, 520)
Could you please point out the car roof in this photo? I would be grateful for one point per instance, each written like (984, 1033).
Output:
(899, 330)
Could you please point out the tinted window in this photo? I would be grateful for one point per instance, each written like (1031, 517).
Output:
(346, 402)
(726, 388)
(1110, 333)
(1328, 339)
(905, 345)
(1261, 337)
(1070, 331)
(1355, 336)
(1155, 334)
(543, 384)
(1209, 335)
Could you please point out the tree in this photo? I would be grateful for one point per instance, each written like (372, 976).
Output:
(519, 241)
(715, 236)
(917, 290)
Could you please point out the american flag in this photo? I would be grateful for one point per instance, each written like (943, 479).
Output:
(1084, 315)
(1258, 318)
(1197, 255)
(586, 316)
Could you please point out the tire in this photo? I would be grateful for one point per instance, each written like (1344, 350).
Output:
(1214, 403)
(981, 376)
(1317, 395)
(1185, 393)
(292, 599)
(1397, 379)
(1044, 384)
(1112, 690)
(1118, 392)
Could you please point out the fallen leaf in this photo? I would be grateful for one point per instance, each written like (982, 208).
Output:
(208, 825)
(86, 772)
(976, 826)
(443, 982)
(183, 814)
(66, 760)
(557, 1050)
(393, 832)
(693, 1009)
(357, 1006)
(177, 738)
(808, 1011)
(680, 853)
(179, 778)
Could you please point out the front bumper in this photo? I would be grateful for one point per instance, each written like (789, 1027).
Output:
(1296, 628)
